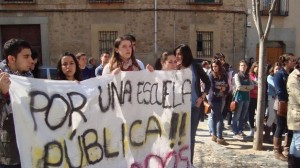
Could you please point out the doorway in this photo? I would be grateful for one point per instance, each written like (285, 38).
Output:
(30, 33)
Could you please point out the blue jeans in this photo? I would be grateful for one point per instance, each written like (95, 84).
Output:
(222, 105)
(295, 145)
(195, 118)
(209, 121)
(216, 123)
(239, 116)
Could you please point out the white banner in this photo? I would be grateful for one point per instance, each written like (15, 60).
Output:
(134, 119)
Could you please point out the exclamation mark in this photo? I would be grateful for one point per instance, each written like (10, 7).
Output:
(182, 128)
(173, 128)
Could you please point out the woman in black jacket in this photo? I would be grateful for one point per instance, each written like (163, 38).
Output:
(185, 59)
(280, 79)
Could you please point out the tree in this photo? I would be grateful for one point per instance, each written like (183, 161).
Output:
(263, 37)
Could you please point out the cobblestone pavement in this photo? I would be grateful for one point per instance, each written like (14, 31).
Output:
(238, 153)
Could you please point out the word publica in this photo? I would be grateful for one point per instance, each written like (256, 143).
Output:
(92, 152)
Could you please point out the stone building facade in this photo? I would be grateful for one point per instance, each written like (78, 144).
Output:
(283, 36)
(208, 26)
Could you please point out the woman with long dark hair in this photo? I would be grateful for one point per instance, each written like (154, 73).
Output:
(271, 121)
(253, 74)
(185, 59)
(68, 68)
(218, 91)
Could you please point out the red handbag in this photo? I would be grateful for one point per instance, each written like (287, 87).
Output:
(233, 106)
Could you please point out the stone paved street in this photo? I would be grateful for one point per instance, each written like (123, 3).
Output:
(237, 154)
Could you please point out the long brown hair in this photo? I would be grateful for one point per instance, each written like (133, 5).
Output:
(220, 68)
(251, 71)
(116, 60)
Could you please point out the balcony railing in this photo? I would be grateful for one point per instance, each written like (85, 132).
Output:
(106, 1)
(205, 2)
(281, 8)
(17, 1)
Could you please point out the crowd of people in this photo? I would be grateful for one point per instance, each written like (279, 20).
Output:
(281, 117)
(213, 81)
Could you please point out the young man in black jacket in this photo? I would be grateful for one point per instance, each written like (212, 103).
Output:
(17, 54)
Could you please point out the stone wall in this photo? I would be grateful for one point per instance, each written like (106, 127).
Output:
(73, 25)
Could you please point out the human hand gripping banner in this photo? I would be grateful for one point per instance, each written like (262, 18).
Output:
(134, 119)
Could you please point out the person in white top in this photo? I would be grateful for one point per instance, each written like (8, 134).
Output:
(123, 58)
(133, 41)
(206, 67)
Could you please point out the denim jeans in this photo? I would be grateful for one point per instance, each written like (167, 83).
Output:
(251, 111)
(209, 121)
(271, 112)
(239, 116)
(217, 119)
(225, 111)
(295, 145)
(281, 126)
(195, 117)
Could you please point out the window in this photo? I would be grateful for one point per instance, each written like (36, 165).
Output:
(106, 41)
(204, 44)
(218, 2)
(106, 1)
(281, 8)
(16, 1)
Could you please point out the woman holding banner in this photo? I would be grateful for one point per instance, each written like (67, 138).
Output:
(168, 61)
(185, 59)
(68, 68)
(123, 58)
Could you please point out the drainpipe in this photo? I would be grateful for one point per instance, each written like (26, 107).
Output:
(246, 37)
(174, 30)
(155, 28)
(233, 37)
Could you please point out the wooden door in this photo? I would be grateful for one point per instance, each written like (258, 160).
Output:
(272, 54)
(30, 33)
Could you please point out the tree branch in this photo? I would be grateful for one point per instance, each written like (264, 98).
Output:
(256, 17)
(270, 18)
